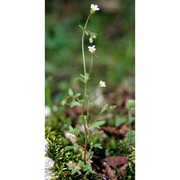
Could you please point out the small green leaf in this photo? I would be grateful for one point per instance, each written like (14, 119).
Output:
(112, 107)
(92, 104)
(131, 119)
(97, 145)
(70, 92)
(104, 107)
(89, 102)
(87, 33)
(94, 35)
(77, 95)
(87, 77)
(81, 101)
(71, 147)
(70, 128)
(74, 131)
(130, 104)
(119, 121)
(85, 117)
(74, 103)
(82, 76)
(97, 124)
(91, 144)
(63, 102)
(81, 27)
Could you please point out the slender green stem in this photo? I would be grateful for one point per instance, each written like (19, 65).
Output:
(96, 118)
(83, 56)
(85, 89)
(129, 119)
(90, 69)
(86, 139)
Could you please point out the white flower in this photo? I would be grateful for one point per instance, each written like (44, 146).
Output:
(46, 145)
(55, 108)
(73, 165)
(47, 111)
(102, 84)
(94, 7)
(48, 163)
(71, 137)
(92, 49)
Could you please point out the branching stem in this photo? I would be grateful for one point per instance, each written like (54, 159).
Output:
(85, 121)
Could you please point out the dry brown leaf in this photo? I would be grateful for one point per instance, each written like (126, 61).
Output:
(123, 169)
(119, 131)
(110, 172)
(116, 161)
(120, 162)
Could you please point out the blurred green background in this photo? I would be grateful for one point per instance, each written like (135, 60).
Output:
(115, 43)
